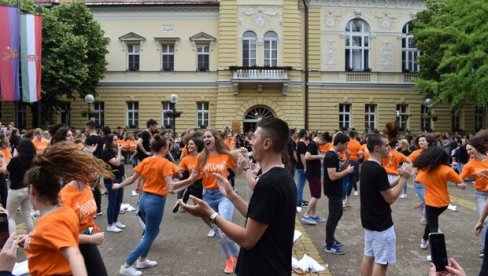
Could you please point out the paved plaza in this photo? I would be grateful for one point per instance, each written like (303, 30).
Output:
(182, 247)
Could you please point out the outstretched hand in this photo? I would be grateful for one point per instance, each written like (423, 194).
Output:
(224, 186)
(8, 254)
(199, 208)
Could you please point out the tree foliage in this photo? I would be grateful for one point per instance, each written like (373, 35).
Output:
(453, 38)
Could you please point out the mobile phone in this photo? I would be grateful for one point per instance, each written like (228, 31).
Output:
(438, 251)
(3, 229)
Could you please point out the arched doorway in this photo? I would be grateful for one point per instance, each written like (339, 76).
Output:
(254, 115)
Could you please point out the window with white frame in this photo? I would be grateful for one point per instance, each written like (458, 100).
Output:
(167, 120)
(202, 114)
(66, 113)
(203, 57)
(344, 116)
(370, 116)
(270, 49)
(132, 114)
(357, 45)
(410, 54)
(402, 116)
(249, 39)
(133, 56)
(425, 117)
(99, 113)
(478, 118)
(167, 57)
(456, 119)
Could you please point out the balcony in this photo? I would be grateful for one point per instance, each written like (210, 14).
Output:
(260, 75)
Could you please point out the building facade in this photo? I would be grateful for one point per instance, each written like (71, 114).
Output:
(320, 64)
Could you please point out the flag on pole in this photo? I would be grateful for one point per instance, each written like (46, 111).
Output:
(9, 53)
(30, 56)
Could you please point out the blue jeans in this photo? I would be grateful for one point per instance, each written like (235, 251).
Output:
(481, 198)
(349, 181)
(300, 185)
(420, 191)
(114, 200)
(151, 206)
(224, 207)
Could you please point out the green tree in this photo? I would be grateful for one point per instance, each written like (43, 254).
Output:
(453, 38)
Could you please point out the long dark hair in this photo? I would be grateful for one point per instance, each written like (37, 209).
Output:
(60, 135)
(109, 142)
(431, 158)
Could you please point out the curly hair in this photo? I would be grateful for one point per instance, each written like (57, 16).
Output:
(431, 158)
(480, 141)
(391, 132)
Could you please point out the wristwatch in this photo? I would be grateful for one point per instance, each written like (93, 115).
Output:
(213, 217)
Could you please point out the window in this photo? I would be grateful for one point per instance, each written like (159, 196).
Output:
(167, 119)
(203, 56)
(20, 115)
(133, 55)
(425, 118)
(370, 116)
(99, 113)
(249, 49)
(168, 57)
(66, 113)
(410, 53)
(270, 49)
(456, 119)
(132, 114)
(357, 45)
(478, 118)
(202, 114)
(344, 116)
(401, 111)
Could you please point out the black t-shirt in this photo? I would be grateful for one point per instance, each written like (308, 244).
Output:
(375, 211)
(301, 149)
(107, 155)
(291, 147)
(95, 139)
(313, 166)
(146, 144)
(273, 203)
(17, 168)
(332, 188)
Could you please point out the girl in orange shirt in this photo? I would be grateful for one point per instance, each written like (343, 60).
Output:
(422, 142)
(52, 247)
(434, 172)
(5, 156)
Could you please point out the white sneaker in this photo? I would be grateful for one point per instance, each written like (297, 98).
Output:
(424, 244)
(452, 207)
(429, 258)
(356, 193)
(211, 233)
(423, 221)
(146, 264)
(403, 196)
(120, 225)
(299, 209)
(130, 271)
(114, 229)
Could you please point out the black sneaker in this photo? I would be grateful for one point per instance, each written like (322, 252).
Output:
(175, 209)
(304, 203)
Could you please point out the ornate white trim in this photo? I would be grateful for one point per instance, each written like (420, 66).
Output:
(384, 4)
(330, 55)
(387, 56)
(260, 14)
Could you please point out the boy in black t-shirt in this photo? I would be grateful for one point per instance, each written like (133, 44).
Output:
(144, 141)
(266, 240)
(333, 174)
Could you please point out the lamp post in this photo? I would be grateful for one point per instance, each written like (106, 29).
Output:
(89, 99)
(173, 99)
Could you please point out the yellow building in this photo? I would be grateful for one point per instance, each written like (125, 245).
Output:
(319, 64)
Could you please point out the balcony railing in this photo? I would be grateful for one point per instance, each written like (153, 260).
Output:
(260, 76)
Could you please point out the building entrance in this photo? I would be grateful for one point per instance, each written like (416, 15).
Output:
(254, 115)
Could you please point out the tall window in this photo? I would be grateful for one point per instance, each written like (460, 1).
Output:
(20, 115)
(203, 56)
(66, 113)
(132, 114)
(168, 57)
(344, 116)
(167, 120)
(357, 45)
(456, 119)
(370, 116)
(202, 114)
(99, 113)
(249, 49)
(402, 115)
(478, 118)
(270, 49)
(410, 53)
(133, 56)
(425, 118)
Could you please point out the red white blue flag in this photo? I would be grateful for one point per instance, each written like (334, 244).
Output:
(30, 42)
(9, 53)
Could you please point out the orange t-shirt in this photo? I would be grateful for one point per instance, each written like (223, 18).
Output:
(472, 168)
(414, 154)
(153, 170)
(216, 163)
(230, 143)
(53, 233)
(435, 182)
(83, 203)
(364, 147)
(188, 163)
(354, 146)
(325, 147)
(124, 144)
(392, 162)
(184, 152)
(132, 145)
(40, 145)
(6, 154)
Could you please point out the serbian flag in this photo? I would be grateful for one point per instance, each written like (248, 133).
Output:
(30, 56)
(9, 53)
